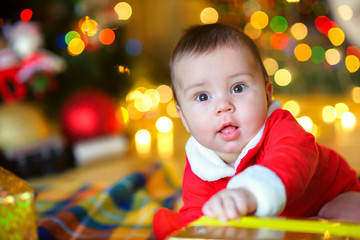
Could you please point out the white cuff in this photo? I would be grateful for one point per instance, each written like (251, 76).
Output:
(267, 187)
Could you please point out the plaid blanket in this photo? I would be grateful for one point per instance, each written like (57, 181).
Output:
(121, 211)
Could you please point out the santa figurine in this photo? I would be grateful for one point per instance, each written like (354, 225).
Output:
(11, 88)
(37, 66)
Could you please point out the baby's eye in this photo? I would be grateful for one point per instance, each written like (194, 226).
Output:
(238, 88)
(202, 97)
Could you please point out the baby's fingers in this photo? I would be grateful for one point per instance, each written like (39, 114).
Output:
(214, 208)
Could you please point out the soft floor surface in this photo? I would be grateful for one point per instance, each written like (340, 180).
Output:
(121, 211)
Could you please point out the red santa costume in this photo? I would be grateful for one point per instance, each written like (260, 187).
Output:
(289, 173)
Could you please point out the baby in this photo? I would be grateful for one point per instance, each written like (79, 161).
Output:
(246, 155)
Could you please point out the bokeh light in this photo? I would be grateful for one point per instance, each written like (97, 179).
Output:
(60, 41)
(123, 115)
(353, 50)
(324, 24)
(302, 52)
(271, 66)
(164, 124)
(355, 93)
(171, 109)
(278, 24)
(336, 36)
(209, 15)
(317, 54)
(123, 10)
(279, 41)
(154, 95)
(252, 32)
(282, 77)
(293, 107)
(250, 7)
(133, 47)
(76, 46)
(341, 108)
(299, 31)
(348, 120)
(290, 47)
(329, 114)
(345, 12)
(70, 36)
(26, 15)
(89, 27)
(107, 36)
(124, 70)
(143, 103)
(306, 123)
(333, 56)
(259, 20)
(165, 93)
(143, 141)
(352, 63)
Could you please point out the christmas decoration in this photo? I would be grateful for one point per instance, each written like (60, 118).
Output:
(11, 88)
(89, 114)
(21, 125)
(28, 147)
(17, 208)
(38, 66)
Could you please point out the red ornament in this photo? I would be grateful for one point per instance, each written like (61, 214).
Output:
(89, 114)
(26, 15)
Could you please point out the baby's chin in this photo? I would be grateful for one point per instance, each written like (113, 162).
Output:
(229, 157)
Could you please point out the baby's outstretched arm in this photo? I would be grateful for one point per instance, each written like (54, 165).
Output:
(230, 204)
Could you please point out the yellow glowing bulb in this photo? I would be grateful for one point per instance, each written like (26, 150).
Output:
(143, 137)
(143, 103)
(340, 109)
(171, 109)
(348, 120)
(282, 77)
(355, 93)
(123, 10)
(252, 32)
(259, 20)
(165, 93)
(299, 31)
(209, 15)
(76, 46)
(293, 107)
(154, 95)
(329, 114)
(336, 36)
(302, 52)
(333, 56)
(89, 27)
(306, 123)
(271, 66)
(123, 115)
(352, 63)
(164, 124)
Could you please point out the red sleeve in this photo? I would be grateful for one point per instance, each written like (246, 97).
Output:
(195, 193)
(290, 152)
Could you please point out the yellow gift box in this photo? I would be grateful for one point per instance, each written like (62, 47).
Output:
(17, 208)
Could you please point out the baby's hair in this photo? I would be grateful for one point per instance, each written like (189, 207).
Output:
(202, 39)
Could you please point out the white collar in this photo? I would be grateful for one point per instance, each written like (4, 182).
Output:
(208, 166)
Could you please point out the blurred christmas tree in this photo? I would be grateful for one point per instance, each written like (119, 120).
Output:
(101, 64)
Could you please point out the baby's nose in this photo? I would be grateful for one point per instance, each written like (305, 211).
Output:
(225, 106)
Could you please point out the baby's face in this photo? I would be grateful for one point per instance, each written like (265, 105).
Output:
(222, 99)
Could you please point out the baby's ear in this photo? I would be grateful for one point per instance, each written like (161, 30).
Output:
(269, 92)
(179, 112)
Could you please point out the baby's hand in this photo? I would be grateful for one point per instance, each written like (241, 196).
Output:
(230, 204)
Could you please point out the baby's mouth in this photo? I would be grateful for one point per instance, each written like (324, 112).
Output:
(229, 132)
(228, 129)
